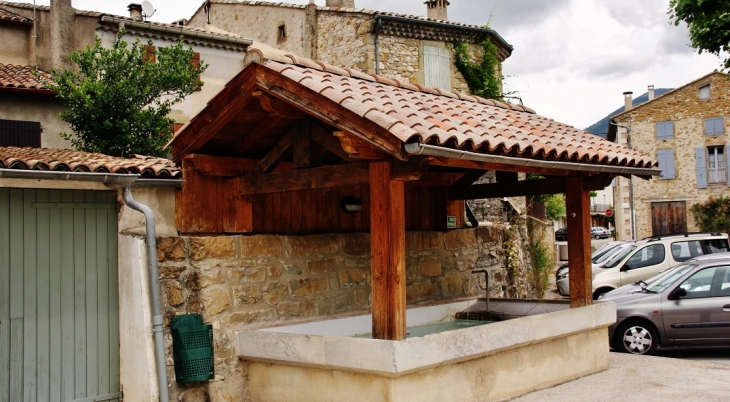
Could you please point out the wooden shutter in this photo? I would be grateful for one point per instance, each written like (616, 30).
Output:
(150, 56)
(195, 61)
(666, 163)
(16, 133)
(437, 67)
(701, 167)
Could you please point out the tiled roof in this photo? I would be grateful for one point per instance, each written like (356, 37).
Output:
(173, 28)
(65, 160)
(670, 93)
(415, 113)
(17, 77)
(360, 11)
(12, 17)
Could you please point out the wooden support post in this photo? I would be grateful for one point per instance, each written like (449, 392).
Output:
(388, 253)
(579, 244)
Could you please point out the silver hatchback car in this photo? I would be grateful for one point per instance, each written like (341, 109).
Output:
(687, 306)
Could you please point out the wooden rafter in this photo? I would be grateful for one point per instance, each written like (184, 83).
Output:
(274, 156)
(329, 142)
(277, 108)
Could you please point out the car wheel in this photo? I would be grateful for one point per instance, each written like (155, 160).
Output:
(597, 237)
(636, 337)
(599, 292)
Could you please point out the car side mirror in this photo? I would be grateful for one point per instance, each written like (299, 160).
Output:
(625, 267)
(677, 293)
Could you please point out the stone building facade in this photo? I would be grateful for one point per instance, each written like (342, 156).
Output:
(240, 282)
(686, 131)
(404, 47)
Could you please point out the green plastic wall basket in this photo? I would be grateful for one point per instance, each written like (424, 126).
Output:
(192, 348)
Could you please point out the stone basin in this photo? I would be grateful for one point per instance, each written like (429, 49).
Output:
(493, 362)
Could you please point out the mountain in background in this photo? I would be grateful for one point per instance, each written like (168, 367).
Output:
(600, 128)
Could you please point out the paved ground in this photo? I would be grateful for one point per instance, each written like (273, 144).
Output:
(698, 376)
(693, 374)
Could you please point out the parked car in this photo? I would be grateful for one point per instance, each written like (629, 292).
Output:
(688, 305)
(598, 232)
(561, 234)
(643, 259)
(598, 260)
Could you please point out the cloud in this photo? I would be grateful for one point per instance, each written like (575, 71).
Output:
(633, 13)
(675, 40)
(506, 15)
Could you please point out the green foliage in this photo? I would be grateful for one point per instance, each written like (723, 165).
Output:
(555, 206)
(713, 215)
(542, 259)
(593, 194)
(708, 22)
(554, 203)
(483, 78)
(117, 102)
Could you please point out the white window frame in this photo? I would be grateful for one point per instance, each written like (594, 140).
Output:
(716, 169)
(704, 92)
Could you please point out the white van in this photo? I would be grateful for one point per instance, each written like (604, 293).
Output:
(646, 258)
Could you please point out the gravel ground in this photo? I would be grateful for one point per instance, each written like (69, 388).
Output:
(644, 378)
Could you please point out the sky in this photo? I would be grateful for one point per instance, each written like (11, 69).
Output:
(572, 59)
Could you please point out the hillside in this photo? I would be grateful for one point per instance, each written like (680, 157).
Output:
(600, 127)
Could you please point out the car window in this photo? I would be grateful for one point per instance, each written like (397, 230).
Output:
(609, 255)
(725, 284)
(685, 250)
(705, 283)
(716, 245)
(668, 279)
(647, 256)
(616, 259)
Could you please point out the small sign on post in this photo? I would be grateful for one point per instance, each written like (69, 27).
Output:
(609, 212)
(451, 222)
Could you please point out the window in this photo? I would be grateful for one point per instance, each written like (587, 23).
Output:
(705, 283)
(666, 163)
(716, 165)
(664, 130)
(437, 67)
(705, 92)
(714, 126)
(281, 33)
(16, 133)
(685, 250)
(647, 256)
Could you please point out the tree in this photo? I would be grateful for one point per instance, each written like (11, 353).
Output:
(708, 22)
(713, 215)
(118, 99)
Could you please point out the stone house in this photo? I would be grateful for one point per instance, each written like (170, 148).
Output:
(408, 48)
(686, 131)
(43, 37)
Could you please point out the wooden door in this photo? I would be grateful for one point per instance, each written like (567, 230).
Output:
(59, 326)
(668, 217)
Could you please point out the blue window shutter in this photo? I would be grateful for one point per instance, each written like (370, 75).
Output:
(666, 163)
(660, 131)
(669, 129)
(719, 126)
(727, 163)
(709, 127)
(701, 167)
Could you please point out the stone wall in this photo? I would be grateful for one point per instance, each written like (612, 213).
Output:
(250, 281)
(688, 112)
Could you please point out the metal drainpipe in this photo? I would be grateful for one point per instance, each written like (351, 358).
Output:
(154, 290)
(631, 184)
(378, 24)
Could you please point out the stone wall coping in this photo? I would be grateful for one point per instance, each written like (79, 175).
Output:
(398, 358)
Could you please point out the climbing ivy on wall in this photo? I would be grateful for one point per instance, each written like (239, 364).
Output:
(483, 78)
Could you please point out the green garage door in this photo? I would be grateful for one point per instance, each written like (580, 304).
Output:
(59, 337)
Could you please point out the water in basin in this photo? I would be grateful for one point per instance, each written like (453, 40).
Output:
(435, 328)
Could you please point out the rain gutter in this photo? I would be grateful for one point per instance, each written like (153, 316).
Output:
(432, 150)
(176, 31)
(112, 180)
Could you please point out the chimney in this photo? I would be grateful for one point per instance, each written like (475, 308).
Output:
(62, 33)
(135, 11)
(628, 101)
(651, 92)
(340, 3)
(437, 9)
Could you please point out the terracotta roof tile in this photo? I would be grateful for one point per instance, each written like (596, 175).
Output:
(417, 113)
(65, 160)
(7, 16)
(17, 77)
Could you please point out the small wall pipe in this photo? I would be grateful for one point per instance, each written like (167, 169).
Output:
(157, 320)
